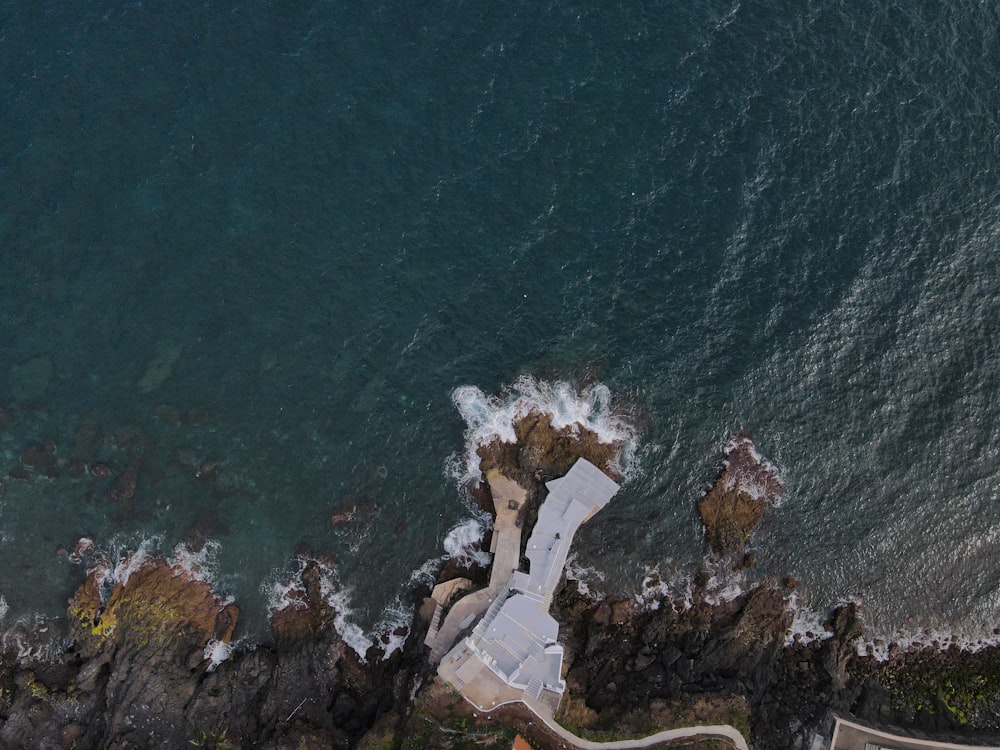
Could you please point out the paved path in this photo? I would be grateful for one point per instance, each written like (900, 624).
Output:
(508, 497)
(850, 736)
(487, 692)
(722, 731)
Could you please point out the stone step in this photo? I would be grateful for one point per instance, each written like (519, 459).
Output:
(535, 687)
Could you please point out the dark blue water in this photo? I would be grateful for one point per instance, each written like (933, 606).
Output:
(320, 219)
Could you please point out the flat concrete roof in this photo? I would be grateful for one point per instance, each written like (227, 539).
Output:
(517, 636)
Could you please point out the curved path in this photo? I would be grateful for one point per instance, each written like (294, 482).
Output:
(723, 731)
(848, 735)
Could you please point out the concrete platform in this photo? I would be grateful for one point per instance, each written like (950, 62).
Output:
(508, 500)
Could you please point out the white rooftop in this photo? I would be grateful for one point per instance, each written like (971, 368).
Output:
(517, 636)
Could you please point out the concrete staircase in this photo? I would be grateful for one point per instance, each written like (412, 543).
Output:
(535, 687)
(432, 631)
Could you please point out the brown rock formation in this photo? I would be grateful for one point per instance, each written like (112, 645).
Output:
(543, 451)
(159, 605)
(309, 614)
(735, 505)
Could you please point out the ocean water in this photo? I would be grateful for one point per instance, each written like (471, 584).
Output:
(294, 255)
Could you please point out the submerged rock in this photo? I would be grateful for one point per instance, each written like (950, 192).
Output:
(30, 380)
(160, 369)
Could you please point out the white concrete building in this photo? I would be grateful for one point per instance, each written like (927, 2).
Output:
(516, 638)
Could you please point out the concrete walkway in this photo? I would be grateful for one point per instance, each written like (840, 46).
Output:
(721, 731)
(508, 499)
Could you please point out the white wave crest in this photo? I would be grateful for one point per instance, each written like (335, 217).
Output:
(490, 418)
(216, 652)
(586, 576)
(285, 590)
(462, 542)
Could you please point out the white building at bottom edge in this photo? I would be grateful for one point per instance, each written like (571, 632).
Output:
(517, 636)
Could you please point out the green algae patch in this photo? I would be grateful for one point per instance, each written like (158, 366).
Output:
(960, 685)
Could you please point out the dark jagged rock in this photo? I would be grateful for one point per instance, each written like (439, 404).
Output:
(138, 675)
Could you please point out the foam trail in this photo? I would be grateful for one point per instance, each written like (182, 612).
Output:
(490, 418)
(31, 640)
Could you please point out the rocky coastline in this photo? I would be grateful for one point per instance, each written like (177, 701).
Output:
(144, 667)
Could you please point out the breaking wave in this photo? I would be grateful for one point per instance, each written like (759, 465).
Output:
(285, 590)
(462, 542)
(490, 418)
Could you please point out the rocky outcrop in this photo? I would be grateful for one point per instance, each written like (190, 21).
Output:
(544, 452)
(735, 505)
(625, 658)
(139, 673)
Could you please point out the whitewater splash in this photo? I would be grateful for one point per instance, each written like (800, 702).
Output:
(462, 542)
(755, 475)
(216, 652)
(678, 591)
(285, 590)
(809, 626)
(119, 563)
(490, 418)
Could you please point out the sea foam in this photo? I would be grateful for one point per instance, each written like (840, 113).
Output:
(490, 418)
(462, 542)
(285, 590)
(216, 652)
(117, 565)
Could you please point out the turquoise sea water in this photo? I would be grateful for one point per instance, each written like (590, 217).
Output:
(323, 218)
